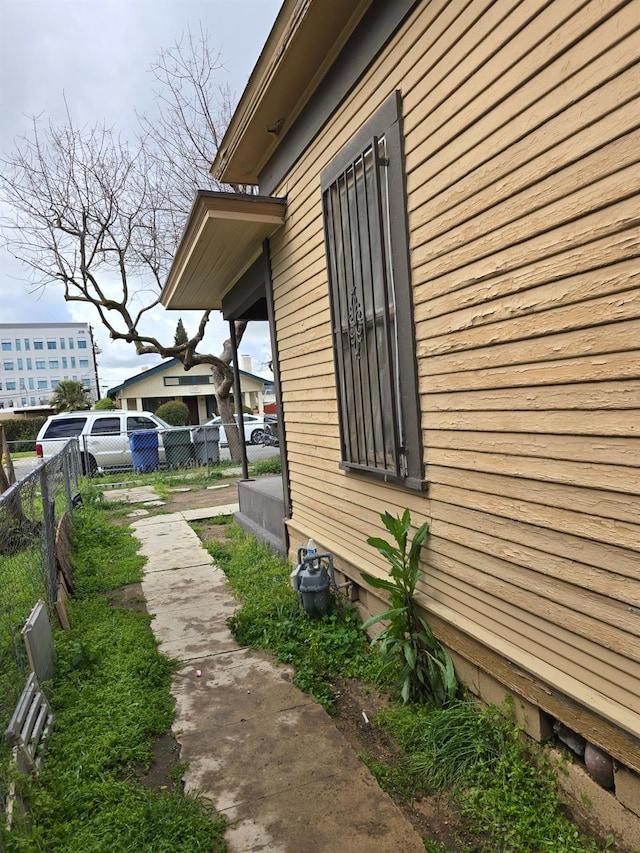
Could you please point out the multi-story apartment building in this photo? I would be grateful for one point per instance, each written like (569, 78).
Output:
(34, 357)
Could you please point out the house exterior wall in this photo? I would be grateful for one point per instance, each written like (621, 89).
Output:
(200, 398)
(521, 146)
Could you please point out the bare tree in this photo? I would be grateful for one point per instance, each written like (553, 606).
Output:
(101, 217)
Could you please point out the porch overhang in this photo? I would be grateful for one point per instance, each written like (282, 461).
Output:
(222, 239)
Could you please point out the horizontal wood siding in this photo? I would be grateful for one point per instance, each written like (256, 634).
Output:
(522, 137)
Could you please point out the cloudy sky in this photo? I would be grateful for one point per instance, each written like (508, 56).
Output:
(96, 55)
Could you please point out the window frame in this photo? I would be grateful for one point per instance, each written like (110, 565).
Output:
(385, 122)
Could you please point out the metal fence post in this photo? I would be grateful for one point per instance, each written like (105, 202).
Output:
(66, 476)
(48, 535)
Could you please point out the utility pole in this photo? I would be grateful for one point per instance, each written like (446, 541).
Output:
(96, 352)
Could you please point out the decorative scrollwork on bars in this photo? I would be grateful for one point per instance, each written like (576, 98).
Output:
(356, 323)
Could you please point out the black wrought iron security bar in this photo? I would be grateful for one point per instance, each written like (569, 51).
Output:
(357, 229)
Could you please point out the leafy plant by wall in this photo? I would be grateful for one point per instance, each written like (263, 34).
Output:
(424, 668)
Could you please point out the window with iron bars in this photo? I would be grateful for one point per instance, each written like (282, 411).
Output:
(364, 211)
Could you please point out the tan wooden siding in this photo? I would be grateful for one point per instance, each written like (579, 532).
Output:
(522, 141)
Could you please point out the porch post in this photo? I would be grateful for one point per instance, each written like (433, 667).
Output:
(237, 394)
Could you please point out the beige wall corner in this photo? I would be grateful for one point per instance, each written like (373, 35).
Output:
(535, 722)
(594, 807)
(628, 788)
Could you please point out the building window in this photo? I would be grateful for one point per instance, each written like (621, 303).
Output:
(82, 344)
(29, 365)
(55, 383)
(73, 361)
(83, 362)
(38, 345)
(70, 343)
(366, 242)
(64, 362)
(61, 343)
(6, 346)
(32, 385)
(42, 383)
(8, 365)
(27, 344)
(18, 344)
(53, 364)
(51, 344)
(11, 385)
(201, 379)
(19, 362)
(40, 364)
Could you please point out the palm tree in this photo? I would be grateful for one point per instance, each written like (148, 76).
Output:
(69, 395)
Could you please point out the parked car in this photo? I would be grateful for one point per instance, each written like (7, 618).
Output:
(103, 436)
(253, 428)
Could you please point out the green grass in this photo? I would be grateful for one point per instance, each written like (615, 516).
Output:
(22, 584)
(105, 556)
(197, 475)
(266, 466)
(110, 697)
(320, 649)
(397, 780)
(503, 786)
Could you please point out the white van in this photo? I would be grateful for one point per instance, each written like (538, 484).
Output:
(103, 436)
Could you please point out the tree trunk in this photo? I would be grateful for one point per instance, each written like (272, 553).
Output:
(230, 428)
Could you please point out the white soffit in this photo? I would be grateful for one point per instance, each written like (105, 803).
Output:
(223, 237)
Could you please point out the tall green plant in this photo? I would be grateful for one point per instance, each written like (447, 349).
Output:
(424, 668)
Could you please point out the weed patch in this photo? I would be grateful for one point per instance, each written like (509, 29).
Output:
(260, 467)
(508, 800)
(104, 556)
(271, 618)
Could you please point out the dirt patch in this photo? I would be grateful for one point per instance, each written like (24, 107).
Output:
(224, 492)
(184, 496)
(164, 773)
(130, 597)
(433, 817)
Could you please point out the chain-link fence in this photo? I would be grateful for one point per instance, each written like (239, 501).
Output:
(29, 514)
(104, 448)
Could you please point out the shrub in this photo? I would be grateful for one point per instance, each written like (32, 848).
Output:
(174, 413)
(22, 430)
(106, 403)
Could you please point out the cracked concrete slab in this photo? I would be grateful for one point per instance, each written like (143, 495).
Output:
(185, 584)
(135, 494)
(342, 813)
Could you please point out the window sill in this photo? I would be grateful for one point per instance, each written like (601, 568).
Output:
(415, 484)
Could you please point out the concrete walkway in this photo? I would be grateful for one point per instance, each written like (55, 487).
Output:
(267, 756)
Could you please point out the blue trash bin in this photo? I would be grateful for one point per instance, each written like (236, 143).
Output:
(144, 450)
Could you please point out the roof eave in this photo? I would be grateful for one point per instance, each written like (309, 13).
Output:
(302, 45)
(223, 237)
